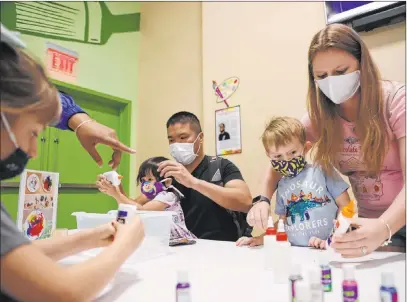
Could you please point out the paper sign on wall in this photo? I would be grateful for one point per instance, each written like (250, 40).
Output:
(228, 131)
(37, 204)
(61, 63)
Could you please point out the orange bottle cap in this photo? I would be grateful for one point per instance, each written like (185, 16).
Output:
(349, 210)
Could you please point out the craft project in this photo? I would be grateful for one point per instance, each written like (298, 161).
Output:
(37, 204)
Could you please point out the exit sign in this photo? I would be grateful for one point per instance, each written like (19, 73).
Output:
(62, 63)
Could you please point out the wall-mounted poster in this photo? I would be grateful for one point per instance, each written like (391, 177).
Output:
(37, 204)
(228, 131)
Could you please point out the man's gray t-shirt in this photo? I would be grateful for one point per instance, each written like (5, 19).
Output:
(308, 202)
(11, 238)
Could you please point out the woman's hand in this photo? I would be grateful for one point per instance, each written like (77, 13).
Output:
(369, 235)
(317, 243)
(107, 188)
(93, 133)
(103, 235)
(130, 235)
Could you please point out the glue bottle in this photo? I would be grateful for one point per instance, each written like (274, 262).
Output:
(282, 256)
(182, 291)
(295, 276)
(302, 292)
(342, 222)
(326, 274)
(269, 244)
(388, 292)
(125, 213)
(349, 284)
(317, 290)
(113, 177)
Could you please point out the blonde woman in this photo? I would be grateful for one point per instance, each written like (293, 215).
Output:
(356, 121)
(29, 270)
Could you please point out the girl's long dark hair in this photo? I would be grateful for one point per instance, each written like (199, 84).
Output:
(151, 166)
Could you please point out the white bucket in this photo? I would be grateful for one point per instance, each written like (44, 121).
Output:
(157, 228)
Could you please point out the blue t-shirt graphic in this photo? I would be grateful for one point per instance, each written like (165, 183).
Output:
(308, 202)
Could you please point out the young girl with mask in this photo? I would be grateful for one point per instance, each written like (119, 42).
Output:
(161, 195)
(307, 198)
(357, 124)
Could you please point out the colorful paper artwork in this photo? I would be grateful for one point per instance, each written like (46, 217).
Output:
(226, 89)
(37, 205)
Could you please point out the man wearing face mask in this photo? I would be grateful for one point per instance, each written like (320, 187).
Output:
(216, 197)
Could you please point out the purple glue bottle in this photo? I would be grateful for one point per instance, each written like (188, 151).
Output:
(183, 287)
(388, 293)
(349, 284)
(295, 275)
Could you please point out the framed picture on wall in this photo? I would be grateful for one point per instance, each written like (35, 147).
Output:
(228, 131)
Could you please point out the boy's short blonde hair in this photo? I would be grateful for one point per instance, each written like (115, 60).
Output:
(280, 131)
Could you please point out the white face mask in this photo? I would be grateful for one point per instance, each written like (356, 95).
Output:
(340, 88)
(184, 152)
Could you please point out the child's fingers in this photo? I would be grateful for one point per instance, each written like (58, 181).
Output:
(322, 245)
(311, 241)
(241, 241)
(317, 243)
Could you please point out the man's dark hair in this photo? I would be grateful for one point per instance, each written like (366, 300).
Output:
(184, 117)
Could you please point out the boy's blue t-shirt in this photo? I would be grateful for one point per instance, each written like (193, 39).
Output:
(308, 202)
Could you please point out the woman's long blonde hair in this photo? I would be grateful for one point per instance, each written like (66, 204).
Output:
(370, 124)
(25, 87)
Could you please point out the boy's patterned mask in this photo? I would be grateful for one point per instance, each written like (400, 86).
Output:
(289, 168)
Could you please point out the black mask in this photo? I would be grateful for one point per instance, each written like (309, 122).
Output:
(13, 165)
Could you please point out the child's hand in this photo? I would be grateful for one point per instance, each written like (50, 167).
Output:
(317, 243)
(250, 241)
(106, 187)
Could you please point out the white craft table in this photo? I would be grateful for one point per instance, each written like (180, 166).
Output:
(222, 272)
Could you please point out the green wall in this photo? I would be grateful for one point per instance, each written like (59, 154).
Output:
(110, 68)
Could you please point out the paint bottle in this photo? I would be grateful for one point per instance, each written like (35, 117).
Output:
(269, 244)
(271, 229)
(349, 284)
(281, 235)
(295, 276)
(342, 222)
(388, 292)
(182, 290)
(302, 292)
(326, 275)
(316, 288)
(282, 255)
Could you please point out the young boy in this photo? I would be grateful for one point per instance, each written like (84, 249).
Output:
(307, 198)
